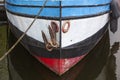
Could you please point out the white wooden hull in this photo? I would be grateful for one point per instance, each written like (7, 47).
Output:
(80, 29)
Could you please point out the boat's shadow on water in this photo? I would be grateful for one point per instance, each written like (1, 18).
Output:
(28, 68)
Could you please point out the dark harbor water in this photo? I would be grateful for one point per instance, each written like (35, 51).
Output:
(3, 45)
(102, 63)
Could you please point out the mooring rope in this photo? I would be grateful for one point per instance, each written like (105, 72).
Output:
(24, 32)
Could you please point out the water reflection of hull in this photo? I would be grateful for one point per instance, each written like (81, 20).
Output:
(60, 37)
(23, 64)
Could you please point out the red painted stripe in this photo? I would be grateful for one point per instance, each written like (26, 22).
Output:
(60, 66)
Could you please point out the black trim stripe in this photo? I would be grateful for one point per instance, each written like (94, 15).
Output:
(37, 48)
(72, 6)
(57, 18)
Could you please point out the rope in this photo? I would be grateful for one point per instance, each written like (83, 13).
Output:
(24, 32)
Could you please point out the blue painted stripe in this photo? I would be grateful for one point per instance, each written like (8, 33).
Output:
(66, 12)
(34, 2)
(55, 12)
(84, 2)
(48, 12)
(57, 2)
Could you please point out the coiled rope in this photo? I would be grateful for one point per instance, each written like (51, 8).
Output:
(21, 37)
